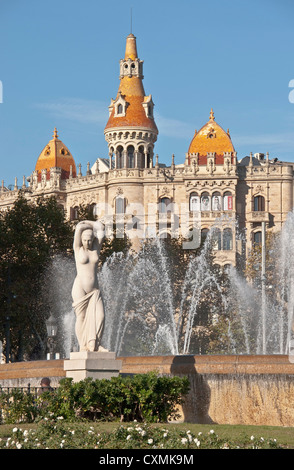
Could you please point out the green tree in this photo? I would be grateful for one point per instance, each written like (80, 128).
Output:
(30, 235)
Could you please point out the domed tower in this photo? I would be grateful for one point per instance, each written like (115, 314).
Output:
(131, 130)
(211, 146)
(55, 155)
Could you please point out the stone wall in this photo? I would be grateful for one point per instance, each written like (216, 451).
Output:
(224, 389)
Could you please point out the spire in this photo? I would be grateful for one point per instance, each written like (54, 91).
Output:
(55, 135)
(211, 116)
(131, 48)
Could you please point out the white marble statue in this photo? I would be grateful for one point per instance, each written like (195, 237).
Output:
(87, 299)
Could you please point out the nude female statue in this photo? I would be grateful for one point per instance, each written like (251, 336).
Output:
(87, 300)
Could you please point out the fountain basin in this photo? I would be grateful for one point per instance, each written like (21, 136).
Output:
(234, 389)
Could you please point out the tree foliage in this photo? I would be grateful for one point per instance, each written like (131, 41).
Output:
(30, 235)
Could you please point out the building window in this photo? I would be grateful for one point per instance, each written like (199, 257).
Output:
(228, 201)
(227, 239)
(216, 202)
(119, 108)
(216, 239)
(141, 157)
(131, 156)
(194, 203)
(257, 238)
(259, 204)
(120, 205)
(165, 205)
(204, 234)
(205, 202)
(227, 268)
(119, 157)
(74, 212)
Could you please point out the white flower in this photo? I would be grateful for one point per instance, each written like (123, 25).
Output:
(59, 417)
(26, 432)
(252, 438)
(165, 434)
(143, 433)
(18, 445)
(14, 429)
(200, 433)
(129, 437)
(211, 431)
(262, 439)
(72, 431)
(184, 440)
(197, 442)
(150, 441)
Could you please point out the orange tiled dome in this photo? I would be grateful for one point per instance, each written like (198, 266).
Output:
(131, 89)
(211, 139)
(56, 154)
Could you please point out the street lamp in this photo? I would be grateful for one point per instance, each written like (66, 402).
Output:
(51, 326)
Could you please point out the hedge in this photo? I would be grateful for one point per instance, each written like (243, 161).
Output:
(142, 397)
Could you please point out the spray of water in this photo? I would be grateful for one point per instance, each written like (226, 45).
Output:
(142, 316)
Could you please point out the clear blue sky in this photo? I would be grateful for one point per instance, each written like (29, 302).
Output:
(60, 67)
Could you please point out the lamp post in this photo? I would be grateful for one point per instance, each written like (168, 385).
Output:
(263, 285)
(51, 326)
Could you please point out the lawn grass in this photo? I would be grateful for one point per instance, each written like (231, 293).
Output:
(283, 435)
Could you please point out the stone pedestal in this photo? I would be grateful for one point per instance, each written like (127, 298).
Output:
(98, 365)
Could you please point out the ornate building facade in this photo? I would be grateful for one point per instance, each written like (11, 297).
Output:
(132, 190)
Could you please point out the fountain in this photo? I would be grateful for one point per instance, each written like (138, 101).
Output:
(192, 320)
(146, 315)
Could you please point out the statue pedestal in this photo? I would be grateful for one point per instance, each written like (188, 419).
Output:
(98, 365)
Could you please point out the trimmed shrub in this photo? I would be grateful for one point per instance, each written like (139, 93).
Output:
(142, 397)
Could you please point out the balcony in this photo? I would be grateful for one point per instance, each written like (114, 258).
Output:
(258, 216)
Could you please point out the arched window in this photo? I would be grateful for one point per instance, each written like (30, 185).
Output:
(257, 238)
(131, 156)
(119, 109)
(165, 205)
(120, 205)
(205, 202)
(227, 268)
(227, 239)
(194, 202)
(259, 204)
(228, 201)
(119, 157)
(164, 235)
(74, 211)
(141, 157)
(216, 239)
(204, 233)
(216, 202)
(149, 158)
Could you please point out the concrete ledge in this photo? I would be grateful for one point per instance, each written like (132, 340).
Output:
(223, 389)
